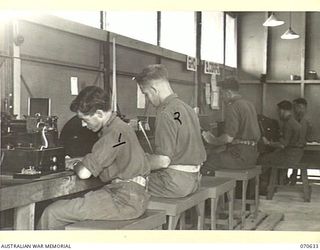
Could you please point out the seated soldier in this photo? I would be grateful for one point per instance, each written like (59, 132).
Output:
(289, 149)
(179, 151)
(117, 156)
(300, 114)
(241, 133)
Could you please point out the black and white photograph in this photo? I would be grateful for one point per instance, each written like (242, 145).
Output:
(160, 120)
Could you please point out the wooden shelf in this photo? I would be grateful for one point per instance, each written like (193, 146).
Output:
(249, 82)
(284, 81)
(312, 81)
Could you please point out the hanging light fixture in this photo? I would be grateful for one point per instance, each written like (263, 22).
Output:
(272, 21)
(290, 34)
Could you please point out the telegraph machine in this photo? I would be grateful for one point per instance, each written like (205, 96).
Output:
(30, 147)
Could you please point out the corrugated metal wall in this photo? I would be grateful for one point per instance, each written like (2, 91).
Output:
(55, 50)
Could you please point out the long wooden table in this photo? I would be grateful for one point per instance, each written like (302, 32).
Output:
(311, 156)
(23, 194)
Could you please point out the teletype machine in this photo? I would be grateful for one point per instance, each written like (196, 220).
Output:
(30, 147)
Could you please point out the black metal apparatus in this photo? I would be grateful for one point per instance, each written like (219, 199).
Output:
(30, 146)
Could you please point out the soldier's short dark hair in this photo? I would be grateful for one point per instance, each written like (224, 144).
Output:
(285, 105)
(300, 101)
(152, 72)
(90, 99)
(229, 84)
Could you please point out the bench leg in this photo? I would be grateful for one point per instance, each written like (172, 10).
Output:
(257, 196)
(173, 221)
(182, 222)
(306, 187)
(24, 217)
(200, 212)
(272, 182)
(244, 201)
(213, 213)
(231, 207)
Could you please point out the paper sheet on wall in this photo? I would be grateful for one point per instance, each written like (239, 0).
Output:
(141, 99)
(213, 81)
(74, 85)
(215, 98)
(208, 93)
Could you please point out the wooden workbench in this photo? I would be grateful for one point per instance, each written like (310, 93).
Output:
(22, 194)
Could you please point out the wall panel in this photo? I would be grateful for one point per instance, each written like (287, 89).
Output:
(53, 82)
(252, 93)
(312, 95)
(313, 41)
(285, 54)
(277, 93)
(44, 42)
(130, 60)
(251, 45)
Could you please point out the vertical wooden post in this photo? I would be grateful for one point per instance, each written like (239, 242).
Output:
(114, 74)
(16, 71)
(265, 66)
(197, 74)
(303, 54)
(159, 34)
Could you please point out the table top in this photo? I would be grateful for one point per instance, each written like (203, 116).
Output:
(312, 147)
(20, 192)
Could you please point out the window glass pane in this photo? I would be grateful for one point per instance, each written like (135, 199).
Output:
(212, 36)
(178, 32)
(90, 18)
(231, 41)
(139, 25)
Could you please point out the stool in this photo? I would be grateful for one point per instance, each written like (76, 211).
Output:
(151, 219)
(175, 207)
(217, 186)
(244, 175)
(274, 177)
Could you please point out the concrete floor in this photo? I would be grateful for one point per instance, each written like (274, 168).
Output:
(298, 215)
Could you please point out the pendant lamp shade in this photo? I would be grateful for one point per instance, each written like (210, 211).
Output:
(289, 34)
(272, 21)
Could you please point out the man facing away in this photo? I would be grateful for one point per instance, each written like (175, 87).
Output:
(241, 133)
(300, 114)
(117, 156)
(289, 149)
(179, 150)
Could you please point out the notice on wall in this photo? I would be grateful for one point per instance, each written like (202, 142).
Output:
(208, 93)
(74, 85)
(215, 98)
(141, 99)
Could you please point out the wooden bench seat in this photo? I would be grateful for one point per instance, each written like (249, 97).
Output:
(216, 187)
(244, 175)
(151, 219)
(175, 207)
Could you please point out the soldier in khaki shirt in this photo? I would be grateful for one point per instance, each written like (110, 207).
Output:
(116, 156)
(289, 149)
(299, 112)
(240, 136)
(179, 151)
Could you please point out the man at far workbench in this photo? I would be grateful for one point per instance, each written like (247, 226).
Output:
(116, 156)
(300, 114)
(289, 149)
(179, 150)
